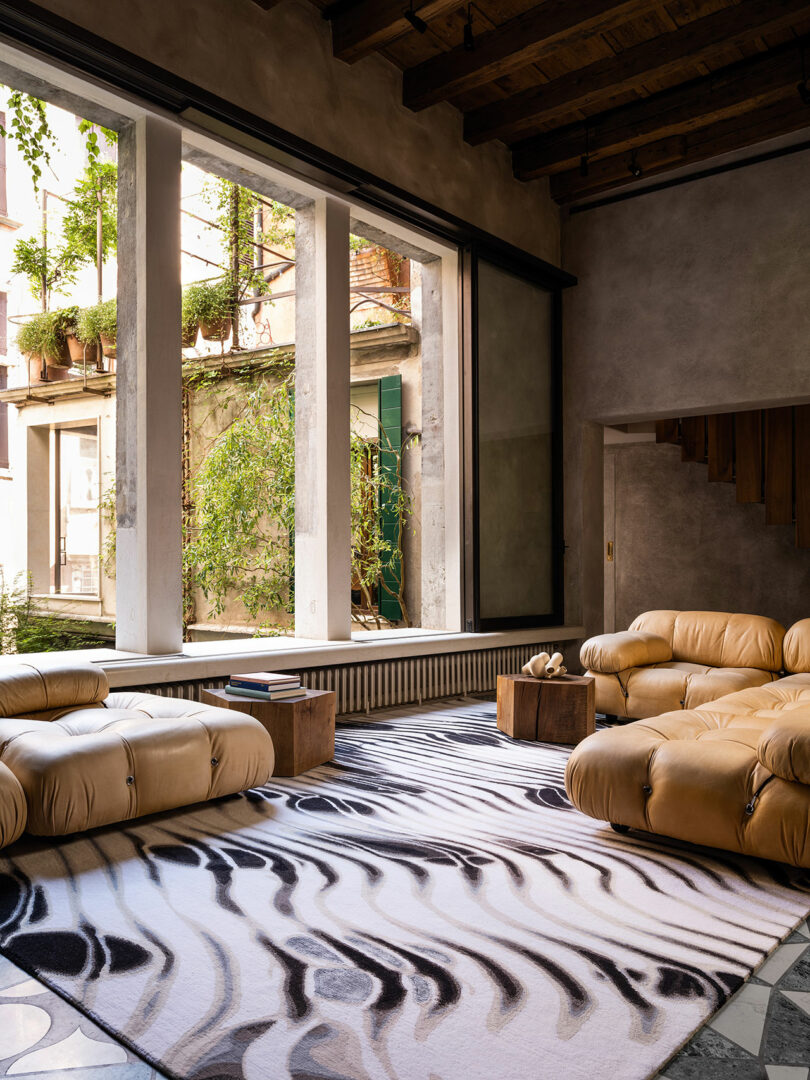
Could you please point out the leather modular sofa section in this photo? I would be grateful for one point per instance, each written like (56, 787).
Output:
(733, 773)
(681, 660)
(73, 756)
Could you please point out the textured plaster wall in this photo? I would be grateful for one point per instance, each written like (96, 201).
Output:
(718, 555)
(690, 300)
(279, 65)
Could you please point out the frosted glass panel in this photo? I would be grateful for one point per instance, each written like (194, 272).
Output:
(515, 427)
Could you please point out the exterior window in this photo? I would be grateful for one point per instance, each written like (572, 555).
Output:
(76, 510)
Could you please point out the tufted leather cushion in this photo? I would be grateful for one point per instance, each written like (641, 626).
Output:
(796, 647)
(140, 755)
(610, 653)
(691, 774)
(26, 688)
(13, 812)
(717, 638)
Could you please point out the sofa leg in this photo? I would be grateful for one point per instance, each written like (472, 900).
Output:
(619, 828)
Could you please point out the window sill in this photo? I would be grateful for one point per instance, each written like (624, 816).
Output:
(217, 659)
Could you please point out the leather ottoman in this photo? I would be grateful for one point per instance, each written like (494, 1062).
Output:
(117, 757)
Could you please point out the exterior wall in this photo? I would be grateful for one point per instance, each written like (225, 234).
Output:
(279, 65)
(690, 300)
(722, 556)
(27, 538)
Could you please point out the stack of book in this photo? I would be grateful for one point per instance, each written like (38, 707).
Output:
(266, 686)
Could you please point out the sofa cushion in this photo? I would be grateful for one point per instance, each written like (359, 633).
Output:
(13, 812)
(610, 653)
(784, 748)
(717, 638)
(28, 688)
(796, 647)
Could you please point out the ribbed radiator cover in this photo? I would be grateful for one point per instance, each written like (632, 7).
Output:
(380, 683)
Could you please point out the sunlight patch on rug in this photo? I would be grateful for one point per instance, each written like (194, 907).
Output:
(426, 907)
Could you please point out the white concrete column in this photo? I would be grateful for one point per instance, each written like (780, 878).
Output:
(322, 420)
(149, 391)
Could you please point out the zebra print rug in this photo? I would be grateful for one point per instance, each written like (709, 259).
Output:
(426, 907)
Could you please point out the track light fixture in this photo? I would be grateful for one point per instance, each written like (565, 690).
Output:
(583, 161)
(419, 25)
(634, 168)
(803, 88)
(469, 37)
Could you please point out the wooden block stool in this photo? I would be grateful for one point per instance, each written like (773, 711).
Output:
(302, 728)
(560, 710)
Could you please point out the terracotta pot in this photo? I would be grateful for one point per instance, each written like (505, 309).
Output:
(53, 372)
(188, 337)
(217, 329)
(81, 353)
(61, 358)
(108, 345)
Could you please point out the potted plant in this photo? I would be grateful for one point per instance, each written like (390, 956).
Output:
(210, 305)
(43, 341)
(100, 323)
(188, 323)
(81, 351)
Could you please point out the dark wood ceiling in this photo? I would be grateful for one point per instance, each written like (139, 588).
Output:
(594, 93)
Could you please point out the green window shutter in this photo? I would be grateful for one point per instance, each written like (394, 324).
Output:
(389, 390)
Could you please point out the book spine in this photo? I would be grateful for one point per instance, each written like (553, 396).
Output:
(263, 695)
(265, 688)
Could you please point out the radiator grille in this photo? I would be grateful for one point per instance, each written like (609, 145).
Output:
(377, 684)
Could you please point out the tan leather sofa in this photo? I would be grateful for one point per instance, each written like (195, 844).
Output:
(733, 773)
(73, 756)
(681, 659)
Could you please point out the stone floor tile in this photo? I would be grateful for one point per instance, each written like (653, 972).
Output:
(798, 997)
(74, 1052)
(21, 1027)
(132, 1071)
(787, 1034)
(781, 961)
(786, 1072)
(743, 1019)
(715, 1069)
(798, 978)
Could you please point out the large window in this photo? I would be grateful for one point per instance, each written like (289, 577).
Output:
(75, 566)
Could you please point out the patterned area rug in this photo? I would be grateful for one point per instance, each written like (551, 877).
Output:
(426, 907)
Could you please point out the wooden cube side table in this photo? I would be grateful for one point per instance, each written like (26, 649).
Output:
(302, 728)
(560, 710)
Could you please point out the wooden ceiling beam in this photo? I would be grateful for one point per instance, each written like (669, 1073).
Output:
(371, 24)
(700, 41)
(521, 41)
(740, 88)
(674, 152)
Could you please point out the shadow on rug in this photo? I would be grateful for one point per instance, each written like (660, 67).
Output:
(426, 907)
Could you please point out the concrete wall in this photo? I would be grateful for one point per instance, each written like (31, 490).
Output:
(690, 300)
(279, 65)
(681, 542)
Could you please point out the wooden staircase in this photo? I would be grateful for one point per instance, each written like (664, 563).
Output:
(765, 452)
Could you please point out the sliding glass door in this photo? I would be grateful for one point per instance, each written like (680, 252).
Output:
(515, 471)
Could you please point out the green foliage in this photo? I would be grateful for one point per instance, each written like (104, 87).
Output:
(108, 509)
(44, 334)
(358, 243)
(92, 144)
(99, 185)
(244, 507)
(207, 301)
(26, 628)
(31, 132)
(96, 320)
(46, 267)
